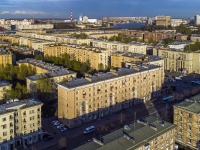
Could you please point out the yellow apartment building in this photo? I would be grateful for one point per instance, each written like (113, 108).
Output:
(4, 86)
(92, 97)
(6, 57)
(148, 133)
(163, 21)
(118, 60)
(98, 57)
(187, 120)
(180, 61)
(20, 123)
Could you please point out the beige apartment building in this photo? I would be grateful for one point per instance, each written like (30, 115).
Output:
(180, 61)
(97, 57)
(163, 21)
(20, 123)
(4, 86)
(119, 60)
(187, 120)
(6, 57)
(54, 73)
(148, 133)
(92, 97)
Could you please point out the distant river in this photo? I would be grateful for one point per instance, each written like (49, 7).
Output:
(128, 25)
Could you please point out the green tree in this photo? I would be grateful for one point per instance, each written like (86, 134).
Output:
(44, 85)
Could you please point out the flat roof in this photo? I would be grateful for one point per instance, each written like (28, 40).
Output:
(4, 83)
(191, 104)
(106, 76)
(135, 136)
(14, 104)
(52, 70)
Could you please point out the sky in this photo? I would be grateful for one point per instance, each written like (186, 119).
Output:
(97, 8)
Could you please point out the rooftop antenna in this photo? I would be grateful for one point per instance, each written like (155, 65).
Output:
(71, 16)
(134, 120)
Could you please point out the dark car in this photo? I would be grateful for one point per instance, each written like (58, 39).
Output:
(47, 137)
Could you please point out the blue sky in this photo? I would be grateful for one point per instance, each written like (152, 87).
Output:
(98, 8)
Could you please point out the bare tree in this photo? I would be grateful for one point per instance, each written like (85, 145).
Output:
(62, 143)
(121, 118)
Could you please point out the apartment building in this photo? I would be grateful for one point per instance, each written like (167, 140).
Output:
(97, 57)
(34, 26)
(92, 97)
(20, 123)
(118, 60)
(4, 86)
(163, 21)
(146, 134)
(54, 73)
(6, 57)
(179, 61)
(186, 119)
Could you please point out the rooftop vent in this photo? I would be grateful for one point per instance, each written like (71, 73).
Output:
(128, 137)
(162, 123)
(98, 141)
(126, 127)
(153, 127)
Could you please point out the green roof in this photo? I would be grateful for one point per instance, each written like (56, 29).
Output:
(139, 134)
(191, 104)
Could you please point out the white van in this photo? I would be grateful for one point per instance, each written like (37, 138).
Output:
(89, 130)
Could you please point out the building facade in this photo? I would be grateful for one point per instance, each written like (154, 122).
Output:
(20, 123)
(4, 86)
(118, 60)
(6, 57)
(92, 97)
(148, 133)
(179, 61)
(163, 21)
(186, 119)
(97, 57)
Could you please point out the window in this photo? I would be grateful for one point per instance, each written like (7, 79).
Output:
(4, 133)
(190, 115)
(3, 119)
(4, 126)
(189, 140)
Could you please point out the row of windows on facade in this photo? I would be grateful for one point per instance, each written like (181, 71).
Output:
(180, 137)
(99, 87)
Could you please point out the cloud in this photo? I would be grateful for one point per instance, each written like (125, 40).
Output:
(23, 12)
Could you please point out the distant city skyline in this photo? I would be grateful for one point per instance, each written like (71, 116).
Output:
(97, 8)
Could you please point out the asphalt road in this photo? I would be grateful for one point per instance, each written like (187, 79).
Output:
(75, 137)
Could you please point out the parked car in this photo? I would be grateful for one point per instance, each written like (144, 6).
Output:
(63, 129)
(54, 121)
(89, 130)
(49, 137)
(56, 124)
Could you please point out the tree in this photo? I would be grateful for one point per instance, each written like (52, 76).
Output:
(44, 85)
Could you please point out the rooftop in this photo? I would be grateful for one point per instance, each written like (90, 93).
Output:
(14, 104)
(52, 70)
(191, 104)
(131, 136)
(107, 76)
(2, 52)
(5, 83)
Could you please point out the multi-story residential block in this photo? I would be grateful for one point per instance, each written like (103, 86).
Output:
(178, 22)
(177, 45)
(20, 123)
(186, 119)
(195, 37)
(197, 19)
(180, 61)
(163, 21)
(97, 57)
(34, 26)
(4, 86)
(146, 134)
(96, 96)
(54, 73)
(6, 57)
(118, 60)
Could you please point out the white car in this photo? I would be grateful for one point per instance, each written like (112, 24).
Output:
(54, 121)
(62, 125)
(89, 130)
(56, 124)
(63, 129)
